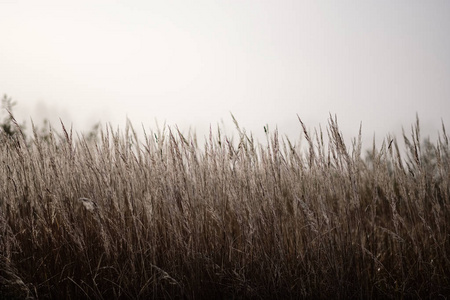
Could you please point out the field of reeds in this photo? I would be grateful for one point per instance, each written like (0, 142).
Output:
(227, 218)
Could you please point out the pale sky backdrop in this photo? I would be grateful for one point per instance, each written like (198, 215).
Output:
(191, 63)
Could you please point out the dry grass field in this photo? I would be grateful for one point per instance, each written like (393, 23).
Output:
(119, 217)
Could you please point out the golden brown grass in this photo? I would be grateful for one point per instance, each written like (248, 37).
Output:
(229, 219)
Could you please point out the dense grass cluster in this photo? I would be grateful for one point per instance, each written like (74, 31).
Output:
(226, 219)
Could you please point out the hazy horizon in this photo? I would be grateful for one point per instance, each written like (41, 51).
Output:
(192, 64)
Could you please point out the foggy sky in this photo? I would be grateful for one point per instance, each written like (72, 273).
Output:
(192, 63)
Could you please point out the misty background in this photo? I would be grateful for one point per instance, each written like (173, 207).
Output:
(191, 63)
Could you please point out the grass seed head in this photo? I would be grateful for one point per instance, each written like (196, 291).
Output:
(88, 204)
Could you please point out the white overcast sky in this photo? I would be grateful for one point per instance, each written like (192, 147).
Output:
(191, 63)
